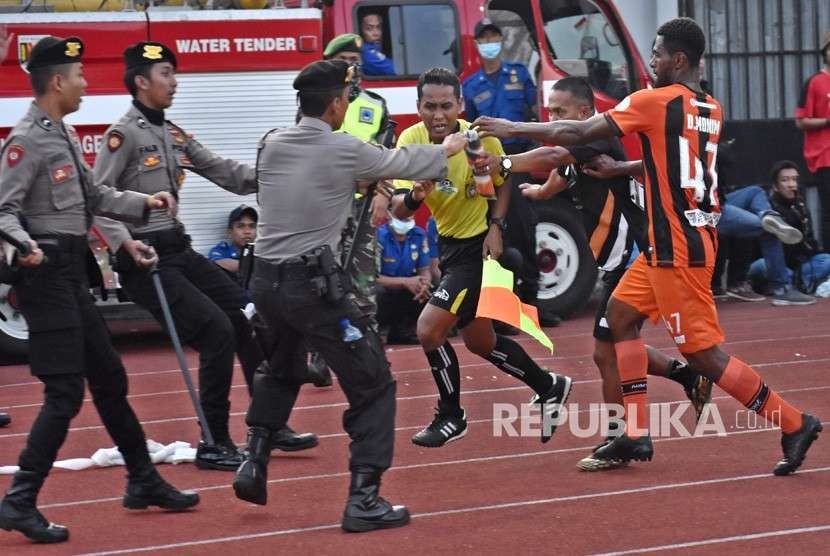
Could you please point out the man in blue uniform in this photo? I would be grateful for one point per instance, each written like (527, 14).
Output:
(499, 89)
(241, 230)
(375, 62)
(403, 278)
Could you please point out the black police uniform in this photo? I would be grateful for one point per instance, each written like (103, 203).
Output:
(300, 290)
(146, 153)
(45, 182)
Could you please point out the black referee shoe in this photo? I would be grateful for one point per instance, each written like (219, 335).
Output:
(795, 445)
(5, 419)
(443, 430)
(552, 402)
(624, 449)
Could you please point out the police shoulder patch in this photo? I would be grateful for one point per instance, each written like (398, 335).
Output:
(14, 154)
(114, 141)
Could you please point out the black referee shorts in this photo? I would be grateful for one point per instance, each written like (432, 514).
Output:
(461, 266)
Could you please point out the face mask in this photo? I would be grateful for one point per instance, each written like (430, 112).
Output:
(489, 50)
(401, 227)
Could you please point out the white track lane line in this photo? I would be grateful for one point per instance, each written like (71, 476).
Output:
(480, 459)
(457, 344)
(471, 509)
(429, 396)
(398, 373)
(719, 540)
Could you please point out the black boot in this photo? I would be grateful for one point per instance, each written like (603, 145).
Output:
(318, 371)
(287, 440)
(250, 483)
(18, 511)
(366, 510)
(223, 456)
(5, 419)
(145, 487)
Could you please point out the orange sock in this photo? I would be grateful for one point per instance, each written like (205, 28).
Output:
(740, 381)
(632, 362)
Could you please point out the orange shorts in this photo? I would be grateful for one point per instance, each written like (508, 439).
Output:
(682, 297)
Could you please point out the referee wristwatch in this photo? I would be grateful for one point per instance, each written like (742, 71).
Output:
(500, 223)
(506, 166)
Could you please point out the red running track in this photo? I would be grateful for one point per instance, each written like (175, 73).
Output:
(486, 494)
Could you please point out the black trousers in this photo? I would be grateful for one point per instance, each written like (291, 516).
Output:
(206, 307)
(69, 342)
(397, 309)
(288, 302)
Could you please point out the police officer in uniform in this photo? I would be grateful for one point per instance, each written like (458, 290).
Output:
(47, 198)
(505, 90)
(306, 180)
(5, 40)
(144, 152)
(367, 119)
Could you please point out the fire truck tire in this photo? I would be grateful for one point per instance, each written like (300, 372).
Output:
(567, 269)
(14, 332)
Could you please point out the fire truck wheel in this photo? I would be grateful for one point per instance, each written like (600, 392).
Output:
(14, 332)
(567, 270)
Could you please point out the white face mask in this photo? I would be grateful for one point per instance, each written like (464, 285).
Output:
(401, 227)
(489, 50)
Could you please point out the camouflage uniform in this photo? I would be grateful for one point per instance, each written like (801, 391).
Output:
(359, 248)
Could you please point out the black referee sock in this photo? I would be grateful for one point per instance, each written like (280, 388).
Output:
(512, 359)
(682, 374)
(445, 371)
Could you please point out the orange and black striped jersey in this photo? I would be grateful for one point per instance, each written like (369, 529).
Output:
(679, 130)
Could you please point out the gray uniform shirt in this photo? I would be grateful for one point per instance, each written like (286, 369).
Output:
(44, 178)
(140, 156)
(307, 178)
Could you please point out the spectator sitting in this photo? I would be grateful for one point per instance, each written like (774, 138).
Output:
(241, 230)
(803, 258)
(747, 214)
(404, 281)
(375, 62)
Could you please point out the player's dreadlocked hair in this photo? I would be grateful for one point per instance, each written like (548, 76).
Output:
(684, 35)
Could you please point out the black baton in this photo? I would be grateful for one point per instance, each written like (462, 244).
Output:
(177, 346)
(23, 247)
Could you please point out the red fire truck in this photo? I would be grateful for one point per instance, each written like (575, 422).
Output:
(235, 73)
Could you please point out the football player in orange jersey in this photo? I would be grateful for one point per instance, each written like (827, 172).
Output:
(679, 127)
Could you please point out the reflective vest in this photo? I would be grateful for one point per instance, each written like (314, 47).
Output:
(366, 117)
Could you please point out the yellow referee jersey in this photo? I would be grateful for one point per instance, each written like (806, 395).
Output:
(459, 211)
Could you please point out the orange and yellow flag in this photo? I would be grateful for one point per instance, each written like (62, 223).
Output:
(497, 301)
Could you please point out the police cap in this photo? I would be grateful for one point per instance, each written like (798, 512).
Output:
(240, 211)
(485, 25)
(348, 42)
(323, 76)
(52, 51)
(145, 53)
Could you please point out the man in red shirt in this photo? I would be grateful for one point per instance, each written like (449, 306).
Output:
(813, 116)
